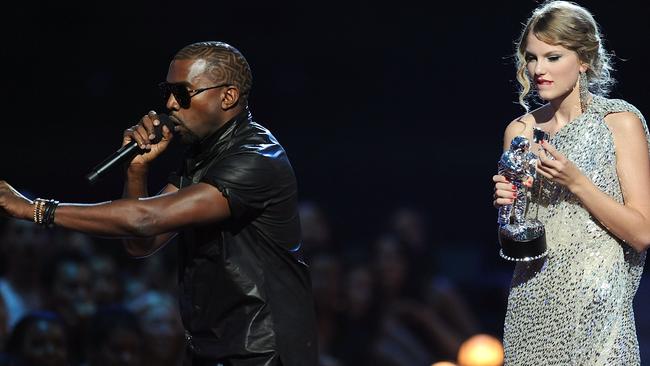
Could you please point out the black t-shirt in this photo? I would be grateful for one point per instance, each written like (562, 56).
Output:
(244, 294)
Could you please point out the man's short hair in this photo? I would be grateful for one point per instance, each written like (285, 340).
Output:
(227, 64)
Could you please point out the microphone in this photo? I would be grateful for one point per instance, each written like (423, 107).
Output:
(128, 151)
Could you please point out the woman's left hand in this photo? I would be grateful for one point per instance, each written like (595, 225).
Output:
(558, 169)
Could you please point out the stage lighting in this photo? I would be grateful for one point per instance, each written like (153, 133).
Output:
(481, 350)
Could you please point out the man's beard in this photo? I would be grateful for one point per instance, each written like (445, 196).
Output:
(188, 137)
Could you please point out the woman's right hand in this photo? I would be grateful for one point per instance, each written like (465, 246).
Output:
(143, 133)
(504, 191)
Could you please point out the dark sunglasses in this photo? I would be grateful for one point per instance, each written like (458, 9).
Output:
(181, 93)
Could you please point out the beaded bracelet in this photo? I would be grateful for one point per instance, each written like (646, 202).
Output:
(38, 210)
(44, 211)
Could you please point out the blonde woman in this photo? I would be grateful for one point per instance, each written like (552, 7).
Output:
(574, 307)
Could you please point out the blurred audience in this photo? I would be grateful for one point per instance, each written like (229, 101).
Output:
(411, 228)
(115, 338)
(107, 286)
(411, 332)
(359, 324)
(67, 289)
(326, 274)
(38, 339)
(21, 245)
(386, 301)
(4, 324)
(317, 235)
(159, 318)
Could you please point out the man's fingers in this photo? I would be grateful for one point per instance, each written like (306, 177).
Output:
(167, 134)
(140, 136)
(154, 117)
(148, 123)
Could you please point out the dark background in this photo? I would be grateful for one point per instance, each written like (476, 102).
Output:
(378, 104)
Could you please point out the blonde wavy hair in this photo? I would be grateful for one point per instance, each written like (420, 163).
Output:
(573, 27)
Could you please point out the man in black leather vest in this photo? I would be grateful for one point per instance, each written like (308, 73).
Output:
(245, 299)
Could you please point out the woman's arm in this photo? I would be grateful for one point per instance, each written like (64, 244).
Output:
(630, 221)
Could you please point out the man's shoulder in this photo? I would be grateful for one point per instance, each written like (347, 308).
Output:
(255, 132)
(253, 161)
(256, 143)
(252, 151)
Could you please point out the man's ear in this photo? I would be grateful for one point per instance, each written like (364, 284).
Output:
(230, 98)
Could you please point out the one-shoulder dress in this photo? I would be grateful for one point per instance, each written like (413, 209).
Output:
(574, 307)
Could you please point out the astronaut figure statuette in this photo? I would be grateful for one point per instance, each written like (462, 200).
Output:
(521, 239)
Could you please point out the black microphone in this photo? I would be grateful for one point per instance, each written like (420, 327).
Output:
(128, 151)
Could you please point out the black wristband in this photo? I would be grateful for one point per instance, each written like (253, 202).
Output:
(48, 216)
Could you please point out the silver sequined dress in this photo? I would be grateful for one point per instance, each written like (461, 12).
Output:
(574, 307)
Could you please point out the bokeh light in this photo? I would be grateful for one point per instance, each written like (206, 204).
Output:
(481, 350)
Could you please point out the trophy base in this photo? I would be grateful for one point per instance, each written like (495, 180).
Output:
(526, 249)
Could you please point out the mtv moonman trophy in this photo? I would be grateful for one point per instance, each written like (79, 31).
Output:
(521, 239)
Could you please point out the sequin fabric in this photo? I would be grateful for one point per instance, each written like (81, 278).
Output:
(574, 307)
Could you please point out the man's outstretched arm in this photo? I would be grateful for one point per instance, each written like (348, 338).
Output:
(135, 186)
(198, 204)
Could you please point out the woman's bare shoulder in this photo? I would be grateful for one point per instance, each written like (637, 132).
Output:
(520, 125)
(524, 124)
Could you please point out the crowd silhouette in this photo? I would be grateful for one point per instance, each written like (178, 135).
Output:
(398, 298)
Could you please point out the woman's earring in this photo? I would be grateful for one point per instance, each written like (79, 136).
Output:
(583, 84)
